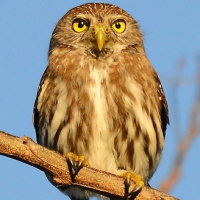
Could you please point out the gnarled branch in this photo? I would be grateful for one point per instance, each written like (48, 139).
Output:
(27, 151)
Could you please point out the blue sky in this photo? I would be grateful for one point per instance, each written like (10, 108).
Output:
(171, 32)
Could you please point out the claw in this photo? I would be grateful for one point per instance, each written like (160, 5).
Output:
(127, 185)
(136, 178)
(70, 160)
(75, 163)
(137, 188)
(81, 163)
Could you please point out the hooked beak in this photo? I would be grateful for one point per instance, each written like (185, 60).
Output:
(100, 33)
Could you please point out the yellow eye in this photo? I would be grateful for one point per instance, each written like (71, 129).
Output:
(119, 26)
(79, 25)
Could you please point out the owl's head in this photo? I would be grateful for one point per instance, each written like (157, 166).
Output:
(96, 28)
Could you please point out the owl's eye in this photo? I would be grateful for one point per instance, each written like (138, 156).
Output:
(119, 25)
(79, 25)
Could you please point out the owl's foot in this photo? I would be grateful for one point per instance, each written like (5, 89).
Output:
(75, 163)
(136, 178)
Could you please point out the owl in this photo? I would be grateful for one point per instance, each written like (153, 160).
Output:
(99, 95)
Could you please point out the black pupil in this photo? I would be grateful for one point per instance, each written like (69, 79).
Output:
(81, 24)
(117, 25)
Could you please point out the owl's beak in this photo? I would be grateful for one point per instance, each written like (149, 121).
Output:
(100, 33)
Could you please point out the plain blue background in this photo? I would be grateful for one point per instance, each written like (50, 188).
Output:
(171, 32)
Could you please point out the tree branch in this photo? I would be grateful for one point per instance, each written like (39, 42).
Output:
(27, 151)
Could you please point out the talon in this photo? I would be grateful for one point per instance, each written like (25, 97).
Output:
(127, 185)
(75, 163)
(70, 160)
(136, 189)
(136, 178)
(81, 163)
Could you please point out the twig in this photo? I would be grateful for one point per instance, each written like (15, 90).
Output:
(27, 151)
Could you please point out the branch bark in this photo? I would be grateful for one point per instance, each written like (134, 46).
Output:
(107, 184)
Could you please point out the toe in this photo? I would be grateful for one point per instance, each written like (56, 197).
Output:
(75, 163)
(132, 177)
(81, 162)
(71, 160)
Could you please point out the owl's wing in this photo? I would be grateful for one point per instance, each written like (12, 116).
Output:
(164, 113)
(36, 116)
